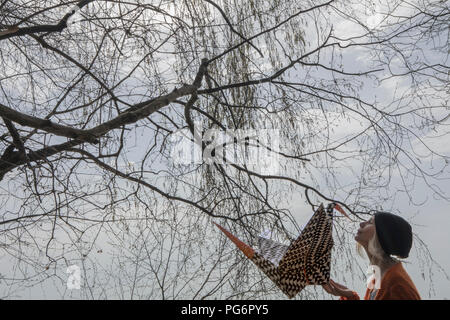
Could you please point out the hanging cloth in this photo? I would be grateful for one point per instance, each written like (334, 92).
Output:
(306, 261)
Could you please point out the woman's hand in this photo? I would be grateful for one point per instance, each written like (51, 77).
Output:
(337, 289)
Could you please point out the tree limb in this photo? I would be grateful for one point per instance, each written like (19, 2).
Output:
(45, 125)
(15, 31)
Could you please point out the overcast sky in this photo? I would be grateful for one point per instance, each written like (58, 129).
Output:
(430, 220)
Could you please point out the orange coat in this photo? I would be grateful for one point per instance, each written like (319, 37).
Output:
(395, 285)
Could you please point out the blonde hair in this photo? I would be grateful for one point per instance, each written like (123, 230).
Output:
(359, 250)
(374, 248)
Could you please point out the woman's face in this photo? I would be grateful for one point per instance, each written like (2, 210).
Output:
(365, 232)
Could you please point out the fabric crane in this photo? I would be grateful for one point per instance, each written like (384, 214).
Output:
(306, 261)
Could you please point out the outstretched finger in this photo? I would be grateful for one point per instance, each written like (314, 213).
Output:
(337, 285)
(327, 288)
(336, 289)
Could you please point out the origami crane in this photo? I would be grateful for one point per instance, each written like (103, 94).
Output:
(305, 262)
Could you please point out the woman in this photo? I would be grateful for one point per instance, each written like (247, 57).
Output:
(383, 235)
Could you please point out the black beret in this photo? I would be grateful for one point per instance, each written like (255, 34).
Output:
(394, 234)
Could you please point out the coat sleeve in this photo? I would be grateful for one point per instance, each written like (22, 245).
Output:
(400, 292)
